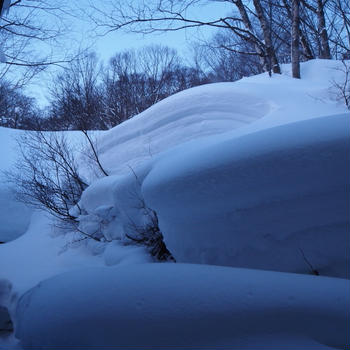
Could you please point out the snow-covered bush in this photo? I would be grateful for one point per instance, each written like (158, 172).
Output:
(272, 199)
(113, 209)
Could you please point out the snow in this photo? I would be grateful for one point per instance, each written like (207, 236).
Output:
(256, 200)
(196, 112)
(42, 253)
(270, 194)
(245, 106)
(14, 216)
(169, 306)
(248, 174)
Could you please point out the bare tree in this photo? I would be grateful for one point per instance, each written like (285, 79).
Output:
(219, 63)
(171, 15)
(342, 88)
(265, 25)
(136, 80)
(267, 34)
(31, 35)
(47, 177)
(315, 16)
(325, 50)
(17, 110)
(339, 29)
(306, 46)
(76, 100)
(295, 39)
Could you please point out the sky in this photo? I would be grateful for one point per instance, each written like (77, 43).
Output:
(83, 35)
(180, 40)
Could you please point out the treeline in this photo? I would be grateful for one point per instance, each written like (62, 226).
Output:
(270, 31)
(257, 36)
(88, 96)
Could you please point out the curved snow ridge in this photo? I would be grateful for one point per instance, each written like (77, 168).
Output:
(248, 105)
(193, 113)
(177, 306)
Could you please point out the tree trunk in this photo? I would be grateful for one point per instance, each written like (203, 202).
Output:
(295, 39)
(271, 54)
(307, 52)
(249, 27)
(306, 46)
(325, 50)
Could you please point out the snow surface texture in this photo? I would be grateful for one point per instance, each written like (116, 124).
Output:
(175, 306)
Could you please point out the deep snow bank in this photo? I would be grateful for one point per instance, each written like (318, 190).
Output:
(262, 200)
(176, 306)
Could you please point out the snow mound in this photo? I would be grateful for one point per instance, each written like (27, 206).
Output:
(276, 199)
(173, 306)
(193, 113)
(270, 194)
(244, 106)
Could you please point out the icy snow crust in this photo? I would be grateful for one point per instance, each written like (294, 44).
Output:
(250, 174)
(169, 306)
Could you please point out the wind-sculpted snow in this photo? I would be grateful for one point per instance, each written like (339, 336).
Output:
(270, 194)
(175, 306)
(275, 199)
(193, 113)
(241, 107)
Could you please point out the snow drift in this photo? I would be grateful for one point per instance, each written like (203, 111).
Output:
(269, 193)
(244, 106)
(173, 306)
(264, 200)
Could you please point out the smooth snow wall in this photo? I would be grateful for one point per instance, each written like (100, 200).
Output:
(266, 200)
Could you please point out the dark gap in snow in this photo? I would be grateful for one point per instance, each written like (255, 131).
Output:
(6, 325)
